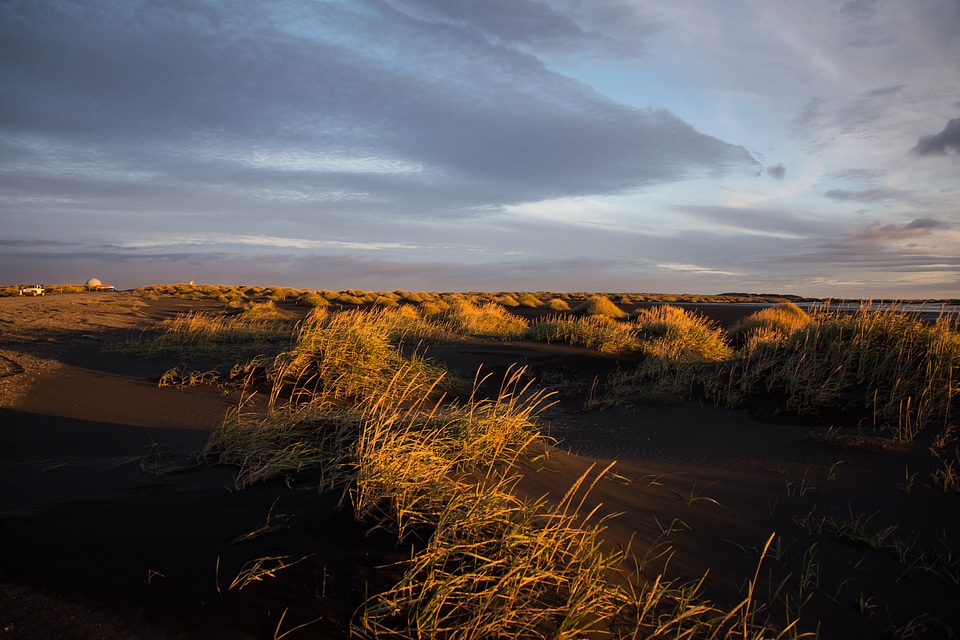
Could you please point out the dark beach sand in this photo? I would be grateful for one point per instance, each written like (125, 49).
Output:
(95, 542)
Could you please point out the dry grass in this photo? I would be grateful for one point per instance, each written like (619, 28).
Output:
(774, 324)
(599, 306)
(898, 373)
(488, 320)
(493, 566)
(887, 369)
(225, 338)
(345, 357)
(556, 304)
(671, 334)
(593, 332)
(497, 567)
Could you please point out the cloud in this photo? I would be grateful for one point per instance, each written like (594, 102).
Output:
(417, 108)
(865, 115)
(754, 221)
(866, 195)
(777, 171)
(942, 143)
(859, 174)
(697, 269)
(888, 231)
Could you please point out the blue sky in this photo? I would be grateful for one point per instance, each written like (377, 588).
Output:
(613, 145)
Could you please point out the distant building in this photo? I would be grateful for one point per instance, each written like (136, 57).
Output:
(93, 284)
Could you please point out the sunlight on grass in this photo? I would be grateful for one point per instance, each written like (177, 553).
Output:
(350, 408)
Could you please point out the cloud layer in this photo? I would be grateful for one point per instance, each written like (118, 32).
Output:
(483, 144)
(327, 107)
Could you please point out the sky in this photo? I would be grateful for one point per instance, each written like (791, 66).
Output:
(682, 146)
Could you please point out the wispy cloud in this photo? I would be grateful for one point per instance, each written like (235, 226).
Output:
(693, 268)
(865, 195)
(947, 141)
(888, 231)
(262, 241)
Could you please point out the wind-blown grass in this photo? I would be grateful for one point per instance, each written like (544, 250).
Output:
(489, 320)
(673, 334)
(593, 332)
(347, 356)
(888, 369)
(773, 324)
(223, 337)
(356, 413)
(498, 567)
(897, 372)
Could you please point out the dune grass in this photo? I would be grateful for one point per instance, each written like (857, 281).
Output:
(597, 305)
(774, 324)
(899, 373)
(344, 357)
(887, 369)
(593, 332)
(487, 320)
(225, 338)
(673, 334)
(354, 413)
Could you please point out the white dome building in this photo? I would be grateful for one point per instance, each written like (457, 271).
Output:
(94, 284)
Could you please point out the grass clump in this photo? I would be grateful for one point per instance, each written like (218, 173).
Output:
(346, 357)
(886, 369)
(593, 332)
(313, 300)
(774, 324)
(487, 320)
(670, 333)
(218, 336)
(529, 300)
(498, 567)
(599, 306)
(556, 304)
(895, 371)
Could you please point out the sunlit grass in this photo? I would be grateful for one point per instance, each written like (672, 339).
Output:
(225, 338)
(593, 332)
(598, 305)
(889, 370)
(773, 324)
(488, 319)
(673, 334)
(346, 356)
(897, 372)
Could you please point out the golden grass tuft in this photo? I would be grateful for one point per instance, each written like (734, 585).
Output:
(556, 304)
(593, 332)
(488, 320)
(896, 371)
(674, 334)
(226, 338)
(600, 306)
(529, 300)
(346, 356)
(774, 324)
(313, 300)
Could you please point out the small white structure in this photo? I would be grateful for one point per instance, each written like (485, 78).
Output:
(94, 284)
